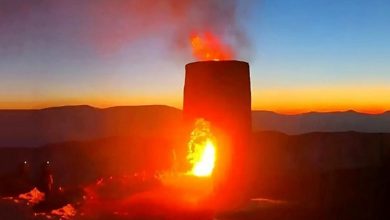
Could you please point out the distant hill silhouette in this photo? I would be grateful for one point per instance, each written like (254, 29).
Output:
(30, 128)
(25, 128)
(321, 122)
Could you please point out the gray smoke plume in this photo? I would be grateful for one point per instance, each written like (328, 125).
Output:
(108, 25)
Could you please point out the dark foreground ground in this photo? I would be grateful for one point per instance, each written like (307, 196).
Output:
(313, 176)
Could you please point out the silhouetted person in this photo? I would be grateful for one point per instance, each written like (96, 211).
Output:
(16, 182)
(46, 182)
(24, 171)
(24, 176)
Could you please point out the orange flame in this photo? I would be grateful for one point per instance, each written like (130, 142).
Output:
(34, 196)
(66, 212)
(207, 46)
(202, 150)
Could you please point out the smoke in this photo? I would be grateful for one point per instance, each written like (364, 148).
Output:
(172, 20)
(108, 26)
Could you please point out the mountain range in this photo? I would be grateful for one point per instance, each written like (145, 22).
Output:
(30, 128)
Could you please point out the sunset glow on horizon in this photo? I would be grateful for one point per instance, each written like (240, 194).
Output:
(281, 100)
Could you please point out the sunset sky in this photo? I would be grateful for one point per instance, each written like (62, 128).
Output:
(304, 55)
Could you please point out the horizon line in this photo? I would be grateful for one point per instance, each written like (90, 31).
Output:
(292, 112)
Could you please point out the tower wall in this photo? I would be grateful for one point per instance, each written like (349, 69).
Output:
(219, 92)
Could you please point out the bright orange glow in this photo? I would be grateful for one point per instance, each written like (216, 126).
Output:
(34, 196)
(66, 212)
(202, 150)
(208, 46)
(204, 167)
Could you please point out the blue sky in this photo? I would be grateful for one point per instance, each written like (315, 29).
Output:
(322, 41)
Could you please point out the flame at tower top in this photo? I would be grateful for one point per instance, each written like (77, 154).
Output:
(208, 46)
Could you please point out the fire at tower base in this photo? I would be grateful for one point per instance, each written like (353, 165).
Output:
(219, 93)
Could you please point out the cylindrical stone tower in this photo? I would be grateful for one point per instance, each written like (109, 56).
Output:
(219, 92)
